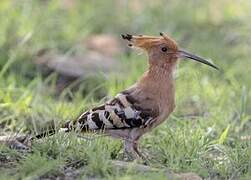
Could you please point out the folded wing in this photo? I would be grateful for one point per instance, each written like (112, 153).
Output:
(120, 113)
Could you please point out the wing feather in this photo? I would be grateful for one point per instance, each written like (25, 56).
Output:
(118, 113)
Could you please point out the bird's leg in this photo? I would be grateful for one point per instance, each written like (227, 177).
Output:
(131, 144)
(135, 148)
(142, 156)
(131, 138)
(135, 135)
(129, 150)
(129, 153)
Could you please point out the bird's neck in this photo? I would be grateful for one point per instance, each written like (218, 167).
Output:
(158, 84)
(158, 78)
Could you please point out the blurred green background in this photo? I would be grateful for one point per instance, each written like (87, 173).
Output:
(205, 133)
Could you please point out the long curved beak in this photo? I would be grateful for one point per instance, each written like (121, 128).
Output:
(184, 54)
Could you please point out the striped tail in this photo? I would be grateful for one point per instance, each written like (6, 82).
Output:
(65, 128)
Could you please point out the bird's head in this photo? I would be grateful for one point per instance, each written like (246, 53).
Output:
(162, 50)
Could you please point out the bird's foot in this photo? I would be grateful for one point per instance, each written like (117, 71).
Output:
(143, 157)
(140, 157)
(129, 156)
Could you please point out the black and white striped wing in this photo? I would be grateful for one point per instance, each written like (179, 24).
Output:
(119, 113)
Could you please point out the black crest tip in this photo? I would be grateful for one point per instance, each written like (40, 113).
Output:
(127, 36)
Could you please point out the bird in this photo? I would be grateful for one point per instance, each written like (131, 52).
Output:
(146, 104)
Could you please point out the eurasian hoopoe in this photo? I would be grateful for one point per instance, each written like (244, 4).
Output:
(144, 105)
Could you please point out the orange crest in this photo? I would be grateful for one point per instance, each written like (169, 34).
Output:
(145, 42)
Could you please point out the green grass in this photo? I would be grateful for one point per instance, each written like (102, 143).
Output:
(203, 135)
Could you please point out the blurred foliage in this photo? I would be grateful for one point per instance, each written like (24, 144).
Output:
(213, 108)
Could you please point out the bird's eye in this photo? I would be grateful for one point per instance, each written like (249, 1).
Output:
(164, 49)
